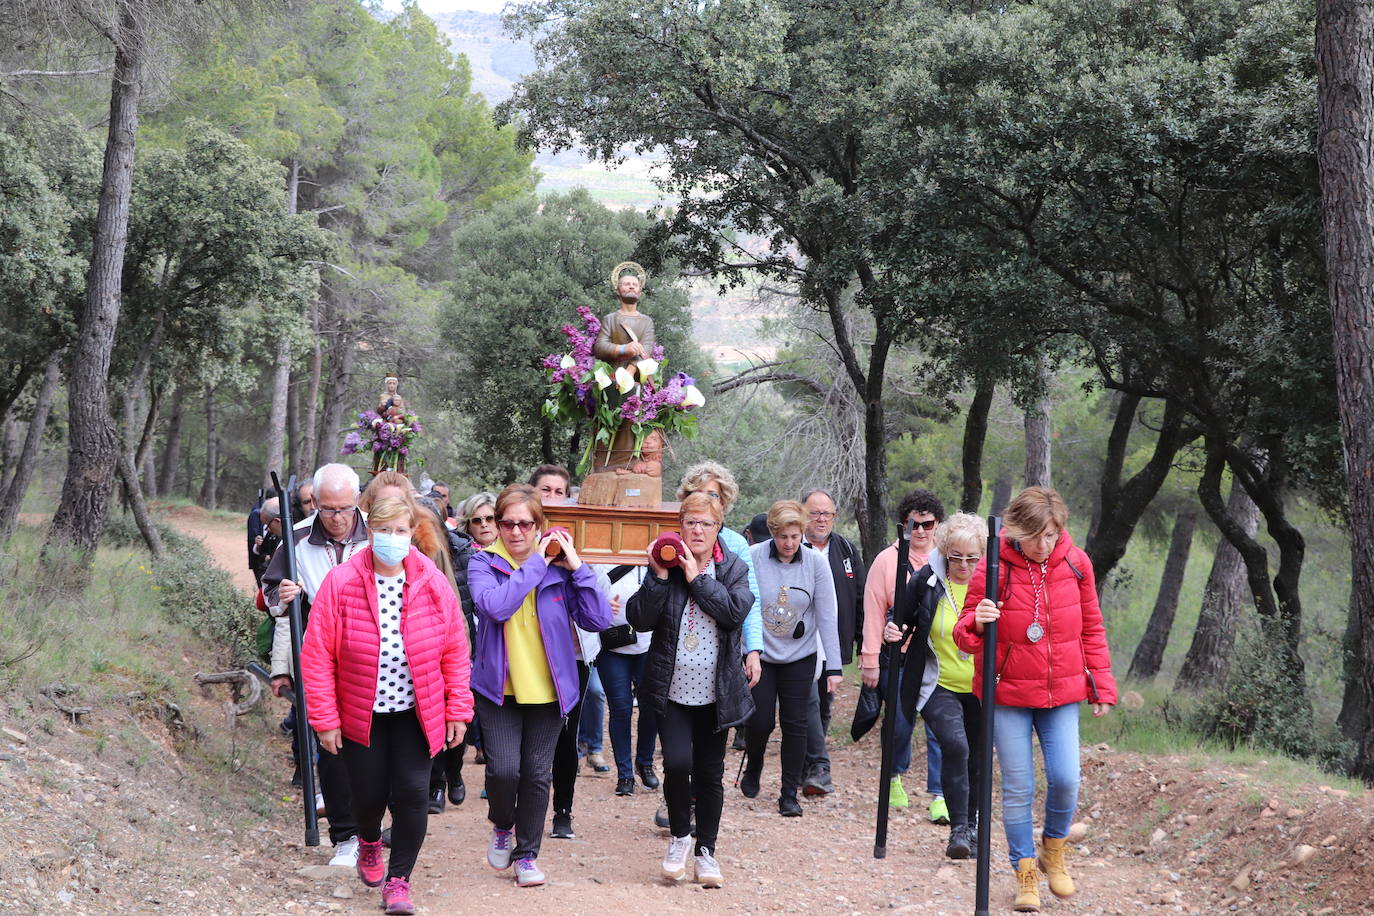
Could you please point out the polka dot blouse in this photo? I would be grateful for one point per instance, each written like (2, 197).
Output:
(395, 689)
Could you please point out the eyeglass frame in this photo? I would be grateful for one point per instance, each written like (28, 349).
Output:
(509, 524)
(821, 516)
(966, 561)
(701, 524)
(335, 513)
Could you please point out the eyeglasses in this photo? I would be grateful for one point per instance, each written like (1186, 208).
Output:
(483, 519)
(928, 525)
(335, 513)
(507, 525)
(820, 516)
(967, 561)
(700, 524)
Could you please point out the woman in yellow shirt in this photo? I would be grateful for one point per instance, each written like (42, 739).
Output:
(939, 681)
(524, 674)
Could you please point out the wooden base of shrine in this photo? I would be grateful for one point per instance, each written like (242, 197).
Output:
(614, 534)
(608, 488)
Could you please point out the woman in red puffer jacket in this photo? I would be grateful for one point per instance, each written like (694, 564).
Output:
(385, 668)
(1051, 656)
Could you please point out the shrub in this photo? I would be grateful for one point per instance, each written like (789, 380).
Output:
(1262, 703)
(199, 594)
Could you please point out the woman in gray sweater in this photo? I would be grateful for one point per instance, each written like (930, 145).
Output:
(797, 594)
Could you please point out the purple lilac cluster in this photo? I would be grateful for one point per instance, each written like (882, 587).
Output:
(377, 434)
(644, 406)
(580, 349)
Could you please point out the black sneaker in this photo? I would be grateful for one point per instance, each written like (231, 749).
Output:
(788, 806)
(648, 776)
(817, 782)
(562, 826)
(436, 801)
(625, 786)
(457, 792)
(961, 842)
(749, 783)
(662, 820)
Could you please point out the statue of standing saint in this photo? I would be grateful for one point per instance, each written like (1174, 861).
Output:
(627, 334)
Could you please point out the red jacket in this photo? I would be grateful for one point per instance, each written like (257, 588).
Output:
(1071, 662)
(342, 644)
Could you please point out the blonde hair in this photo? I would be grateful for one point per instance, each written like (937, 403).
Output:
(383, 479)
(699, 475)
(786, 512)
(700, 502)
(390, 509)
(469, 508)
(961, 528)
(1032, 511)
(431, 540)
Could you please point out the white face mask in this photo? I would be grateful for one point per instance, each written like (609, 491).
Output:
(391, 549)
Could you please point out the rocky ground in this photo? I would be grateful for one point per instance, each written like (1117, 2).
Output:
(138, 807)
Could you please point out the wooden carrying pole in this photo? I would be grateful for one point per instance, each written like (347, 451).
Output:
(980, 906)
(305, 738)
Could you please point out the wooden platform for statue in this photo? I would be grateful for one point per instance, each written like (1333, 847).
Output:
(614, 534)
(610, 488)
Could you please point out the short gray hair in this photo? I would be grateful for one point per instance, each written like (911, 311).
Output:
(270, 510)
(807, 494)
(336, 476)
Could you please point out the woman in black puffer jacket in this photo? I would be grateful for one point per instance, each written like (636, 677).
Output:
(694, 678)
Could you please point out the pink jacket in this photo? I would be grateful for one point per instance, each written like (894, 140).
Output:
(342, 644)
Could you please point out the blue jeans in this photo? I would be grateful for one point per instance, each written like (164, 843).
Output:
(1058, 731)
(901, 757)
(590, 727)
(620, 676)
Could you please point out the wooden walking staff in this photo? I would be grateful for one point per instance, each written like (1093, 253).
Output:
(980, 905)
(305, 738)
(896, 659)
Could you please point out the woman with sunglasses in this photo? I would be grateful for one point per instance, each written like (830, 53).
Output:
(694, 678)
(937, 680)
(524, 678)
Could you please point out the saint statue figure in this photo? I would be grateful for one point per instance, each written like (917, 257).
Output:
(627, 334)
(391, 401)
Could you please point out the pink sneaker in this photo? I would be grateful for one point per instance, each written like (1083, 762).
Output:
(396, 896)
(370, 862)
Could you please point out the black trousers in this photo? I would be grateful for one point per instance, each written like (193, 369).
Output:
(818, 725)
(693, 765)
(956, 719)
(338, 800)
(392, 769)
(565, 754)
(788, 688)
(519, 741)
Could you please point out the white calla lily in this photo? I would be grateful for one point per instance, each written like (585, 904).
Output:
(567, 362)
(647, 367)
(693, 398)
(624, 380)
(602, 379)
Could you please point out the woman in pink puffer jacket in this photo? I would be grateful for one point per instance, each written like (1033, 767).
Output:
(385, 669)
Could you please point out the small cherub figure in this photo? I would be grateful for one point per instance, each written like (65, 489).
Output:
(650, 460)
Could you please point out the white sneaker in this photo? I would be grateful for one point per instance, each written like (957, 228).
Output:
(675, 861)
(708, 870)
(346, 853)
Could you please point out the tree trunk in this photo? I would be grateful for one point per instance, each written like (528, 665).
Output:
(310, 420)
(975, 436)
(293, 425)
(336, 395)
(1354, 715)
(93, 452)
(210, 485)
(276, 420)
(11, 446)
(171, 450)
(1345, 91)
(129, 475)
(1224, 598)
(13, 494)
(1037, 425)
(1001, 494)
(1149, 655)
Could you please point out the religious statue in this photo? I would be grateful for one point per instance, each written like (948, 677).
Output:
(627, 334)
(391, 404)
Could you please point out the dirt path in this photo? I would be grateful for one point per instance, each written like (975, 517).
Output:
(1162, 838)
(226, 541)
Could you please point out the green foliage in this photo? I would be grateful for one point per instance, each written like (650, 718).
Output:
(1260, 703)
(199, 595)
(522, 269)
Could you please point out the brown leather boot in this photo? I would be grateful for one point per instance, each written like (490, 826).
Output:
(1028, 887)
(1053, 852)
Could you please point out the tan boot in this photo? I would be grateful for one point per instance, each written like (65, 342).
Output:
(1052, 855)
(1027, 887)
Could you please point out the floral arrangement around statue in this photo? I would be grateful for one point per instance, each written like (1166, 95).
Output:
(389, 438)
(642, 397)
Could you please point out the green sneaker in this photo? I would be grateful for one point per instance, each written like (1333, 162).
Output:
(896, 795)
(939, 811)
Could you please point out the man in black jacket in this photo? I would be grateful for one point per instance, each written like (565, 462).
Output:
(847, 568)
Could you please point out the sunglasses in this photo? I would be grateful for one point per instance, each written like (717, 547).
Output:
(927, 525)
(968, 561)
(507, 525)
(483, 519)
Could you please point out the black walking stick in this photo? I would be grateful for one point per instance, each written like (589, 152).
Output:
(896, 658)
(980, 906)
(305, 738)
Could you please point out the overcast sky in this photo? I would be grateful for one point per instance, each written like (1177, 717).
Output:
(447, 6)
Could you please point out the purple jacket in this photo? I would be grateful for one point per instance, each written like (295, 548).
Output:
(497, 593)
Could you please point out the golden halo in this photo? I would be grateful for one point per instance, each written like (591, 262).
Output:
(629, 267)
